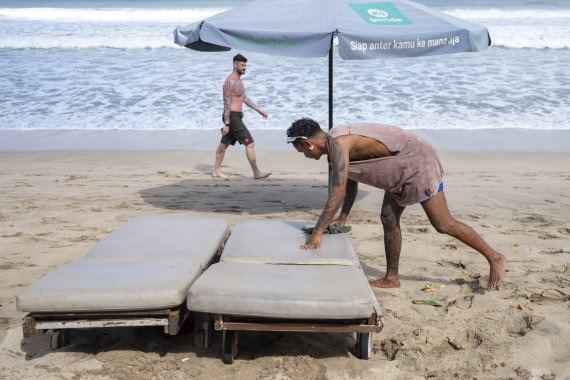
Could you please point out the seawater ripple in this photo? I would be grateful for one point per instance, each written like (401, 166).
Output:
(112, 64)
(164, 89)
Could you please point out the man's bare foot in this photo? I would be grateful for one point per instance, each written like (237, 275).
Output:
(497, 271)
(220, 175)
(385, 283)
(261, 175)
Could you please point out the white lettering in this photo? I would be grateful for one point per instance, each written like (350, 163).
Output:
(392, 20)
(380, 45)
(404, 44)
(354, 45)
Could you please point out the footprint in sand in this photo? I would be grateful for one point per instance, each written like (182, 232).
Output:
(451, 264)
(547, 236)
(451, 246)
(463, 303)
(531, 219)
(390, 348)
(524, 325)
(553, 251)
(420, 230)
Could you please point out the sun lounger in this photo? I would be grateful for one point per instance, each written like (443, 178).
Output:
(264, 282)
(278, 242)
(139, 275)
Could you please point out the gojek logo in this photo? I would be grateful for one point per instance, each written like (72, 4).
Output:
(380, 13)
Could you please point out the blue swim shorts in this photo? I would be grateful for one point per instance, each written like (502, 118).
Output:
(439, 189)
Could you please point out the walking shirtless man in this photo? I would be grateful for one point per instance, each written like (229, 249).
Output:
(234, 129)
(399, 162)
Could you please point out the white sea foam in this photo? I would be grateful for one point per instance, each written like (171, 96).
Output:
(171, 16)
(139, 41)
(510, 14)
(190, 15)
(519, 36)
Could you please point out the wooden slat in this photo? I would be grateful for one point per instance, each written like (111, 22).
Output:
(296, 328)
(90, 323)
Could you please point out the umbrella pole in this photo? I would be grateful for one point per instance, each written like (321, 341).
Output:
(331, 87)
(330, 103)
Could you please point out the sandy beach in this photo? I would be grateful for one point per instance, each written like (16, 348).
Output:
(54, 206)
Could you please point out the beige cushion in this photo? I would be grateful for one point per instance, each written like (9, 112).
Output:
(283, 291)
(147, 263)
(278, 242)
(157, 237)
(110, 286)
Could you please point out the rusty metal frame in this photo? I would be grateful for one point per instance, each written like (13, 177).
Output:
(171, 319)
(374, 323)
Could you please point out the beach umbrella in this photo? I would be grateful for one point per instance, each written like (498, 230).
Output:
(307, 28)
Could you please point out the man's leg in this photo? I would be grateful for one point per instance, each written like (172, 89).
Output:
(439, 216)
(390, 217)
(250, 153)
(220, 153)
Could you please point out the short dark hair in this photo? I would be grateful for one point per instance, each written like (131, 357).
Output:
(240, 58)
(304, 127)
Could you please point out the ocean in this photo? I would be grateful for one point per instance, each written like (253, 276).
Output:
(113, 65)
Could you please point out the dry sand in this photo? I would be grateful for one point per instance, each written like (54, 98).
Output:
(55, 206)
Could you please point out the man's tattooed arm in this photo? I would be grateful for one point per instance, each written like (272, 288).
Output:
(227, 101)
(339, 164)
(351, 191)
(248, 102)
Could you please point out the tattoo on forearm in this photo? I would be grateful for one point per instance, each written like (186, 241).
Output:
(249, 103)
(349, 198)
(227, 101)
(337, 195)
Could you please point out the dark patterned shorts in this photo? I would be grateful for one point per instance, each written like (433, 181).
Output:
(238, 131)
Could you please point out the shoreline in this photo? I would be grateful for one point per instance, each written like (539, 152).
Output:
(445, 140)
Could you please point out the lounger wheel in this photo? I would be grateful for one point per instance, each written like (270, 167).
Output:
(363, 345)
(59, 339)
(229, 346)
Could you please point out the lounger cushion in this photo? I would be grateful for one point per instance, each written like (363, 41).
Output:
(110, 286)
(283, 291)
(278, 242)
(157, 237)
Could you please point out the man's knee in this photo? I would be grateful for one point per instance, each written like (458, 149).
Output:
(446, 226)
(389, 220)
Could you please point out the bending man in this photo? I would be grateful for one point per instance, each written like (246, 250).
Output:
(234, 129)
(402, 164)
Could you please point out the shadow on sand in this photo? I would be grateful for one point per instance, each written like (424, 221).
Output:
(241, 195)
(252, 344)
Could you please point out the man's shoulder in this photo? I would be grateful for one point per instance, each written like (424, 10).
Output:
(233, 83)
(231, 78)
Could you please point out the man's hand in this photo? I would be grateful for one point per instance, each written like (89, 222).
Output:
(263, 113)
(314, 242)
(225, 130)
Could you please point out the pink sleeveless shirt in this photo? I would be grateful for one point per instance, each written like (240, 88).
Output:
(410, 175)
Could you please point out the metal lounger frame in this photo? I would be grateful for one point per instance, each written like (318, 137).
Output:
(230, 324)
